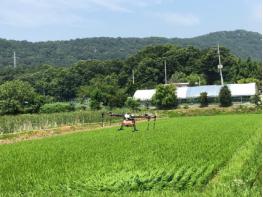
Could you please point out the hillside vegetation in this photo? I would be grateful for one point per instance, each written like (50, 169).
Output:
(242, 43)
(109, 82)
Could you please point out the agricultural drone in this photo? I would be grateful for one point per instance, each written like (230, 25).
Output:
(129, 120)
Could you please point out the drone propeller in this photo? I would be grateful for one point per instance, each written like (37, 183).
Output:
(115, 115)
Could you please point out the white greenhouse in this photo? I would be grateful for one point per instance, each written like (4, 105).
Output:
(238, 91)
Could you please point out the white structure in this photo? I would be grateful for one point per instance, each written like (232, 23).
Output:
(144, 95)
(14, 59)
(237, 90)
(220, 66)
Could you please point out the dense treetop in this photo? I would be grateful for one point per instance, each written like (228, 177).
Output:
(242, 43)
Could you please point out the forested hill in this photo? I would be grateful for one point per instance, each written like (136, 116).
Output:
(242, 43)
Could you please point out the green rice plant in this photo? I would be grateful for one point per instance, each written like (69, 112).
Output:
(198, 173)
(182, 184)
(180, 157)
(207, 175)
(31, 122)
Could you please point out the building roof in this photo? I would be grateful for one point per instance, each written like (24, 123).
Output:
(144, 95)
(247, 89)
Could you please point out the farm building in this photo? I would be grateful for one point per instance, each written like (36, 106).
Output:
(240, 92)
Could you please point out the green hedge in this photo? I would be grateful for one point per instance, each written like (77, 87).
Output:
(57, 107)
(211, 111)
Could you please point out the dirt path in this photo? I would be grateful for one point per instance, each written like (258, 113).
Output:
(39, 134)
(32, 135)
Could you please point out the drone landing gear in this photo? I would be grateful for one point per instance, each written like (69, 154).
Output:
(134, 128)
(130, 123)
(149, 118)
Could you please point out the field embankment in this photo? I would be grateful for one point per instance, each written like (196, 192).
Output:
(89, 119)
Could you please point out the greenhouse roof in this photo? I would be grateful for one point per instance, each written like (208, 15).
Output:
(237, 90)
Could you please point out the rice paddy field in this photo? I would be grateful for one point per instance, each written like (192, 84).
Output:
(183, 156)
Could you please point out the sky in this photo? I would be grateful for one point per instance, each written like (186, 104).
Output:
(42, 20)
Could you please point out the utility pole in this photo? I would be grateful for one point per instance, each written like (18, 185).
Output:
(165, 73)
(220, 66)
(14, 59)
(133, 77)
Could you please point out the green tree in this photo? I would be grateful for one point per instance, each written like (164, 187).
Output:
(225, 97)
(246, 70)
(209, 68)
(114, 77)
(195, 79)
(63, 53)
(203, 99)
(178, 77)
(132, 104)
(250, 80)
(94, 104)
(83, 93)
(165, 97)
(96, 98)
(45, 80)
(57, 107)
(256, 99)
(19, 97)
(105, 90)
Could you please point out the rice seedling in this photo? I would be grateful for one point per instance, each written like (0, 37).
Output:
(181, 156)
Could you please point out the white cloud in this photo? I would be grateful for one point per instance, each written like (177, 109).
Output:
(33, 13)
(178, 19)
(30, 13)
(113, 5)
(146, 3)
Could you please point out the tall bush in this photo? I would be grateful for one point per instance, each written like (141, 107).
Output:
(132, 104)
(19, 97)
(225, 97)
(165, 97)
(94, 104)
(256, 100)
(57, 107)
(203, 99)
